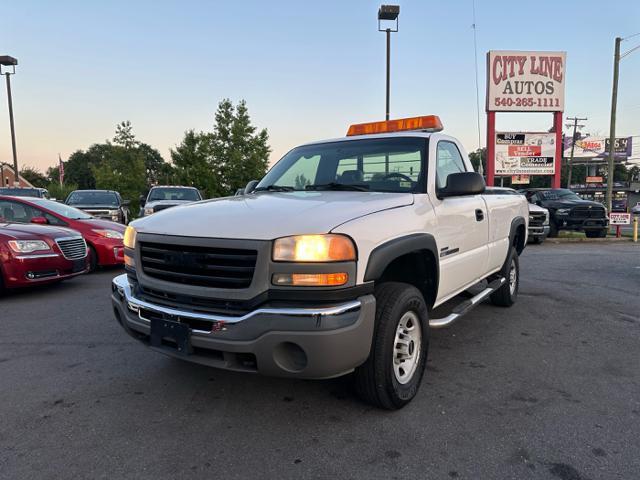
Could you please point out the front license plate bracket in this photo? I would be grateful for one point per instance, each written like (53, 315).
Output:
(171, 335)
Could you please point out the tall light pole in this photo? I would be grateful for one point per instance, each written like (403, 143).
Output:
(7, 61)
(388, 13)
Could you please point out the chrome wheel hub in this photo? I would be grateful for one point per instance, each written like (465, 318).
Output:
(513, 277)
(406, 347)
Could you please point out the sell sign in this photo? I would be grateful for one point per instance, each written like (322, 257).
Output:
(619, 218)
(525, 153)
(525, 81)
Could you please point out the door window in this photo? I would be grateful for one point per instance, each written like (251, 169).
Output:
(448, 161)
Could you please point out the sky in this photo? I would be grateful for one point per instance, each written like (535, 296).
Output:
(306, 69)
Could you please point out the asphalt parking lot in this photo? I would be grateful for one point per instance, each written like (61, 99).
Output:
(547, 389)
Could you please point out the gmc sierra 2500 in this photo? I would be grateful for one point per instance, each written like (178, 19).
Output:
(330, 265)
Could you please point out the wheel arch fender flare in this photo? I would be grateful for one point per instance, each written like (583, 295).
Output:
(382, 255)
(515, 224)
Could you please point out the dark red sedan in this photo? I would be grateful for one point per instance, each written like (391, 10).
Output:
(103, 237)
(32, 254)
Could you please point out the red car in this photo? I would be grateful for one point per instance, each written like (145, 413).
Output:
(32, 254)
(103, 237)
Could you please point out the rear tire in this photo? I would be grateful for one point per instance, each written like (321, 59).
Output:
(392, 374)
(507, 294)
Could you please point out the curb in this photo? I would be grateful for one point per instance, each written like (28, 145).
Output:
(589, 240)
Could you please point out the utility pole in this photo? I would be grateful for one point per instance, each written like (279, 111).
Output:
(573, 144)
(612, 132)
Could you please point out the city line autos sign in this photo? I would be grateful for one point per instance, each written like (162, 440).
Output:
(525, 153)
(525, 81)
(598, 147)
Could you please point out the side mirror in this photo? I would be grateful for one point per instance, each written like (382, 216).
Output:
(464, 183)
(39, 220)
(126, 203)
(251, 186)
(143, 200)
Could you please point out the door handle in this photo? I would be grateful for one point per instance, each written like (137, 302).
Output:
(479, 214)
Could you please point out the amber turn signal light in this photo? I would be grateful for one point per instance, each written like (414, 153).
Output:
(311, 279)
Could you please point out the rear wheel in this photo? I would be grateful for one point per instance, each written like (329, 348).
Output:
(506, 295)
(392, 374)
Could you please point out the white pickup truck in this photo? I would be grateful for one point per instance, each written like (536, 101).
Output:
(332, 264)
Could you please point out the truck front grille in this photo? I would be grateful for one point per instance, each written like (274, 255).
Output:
(587, 212)
(72, 248)
(537, 219)
(199, 266)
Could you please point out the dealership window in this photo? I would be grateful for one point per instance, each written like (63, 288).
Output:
(448, 161)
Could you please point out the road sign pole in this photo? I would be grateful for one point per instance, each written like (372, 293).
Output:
(491, 148)
(557, 124)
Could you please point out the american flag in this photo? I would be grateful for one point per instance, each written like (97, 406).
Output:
(60, 170)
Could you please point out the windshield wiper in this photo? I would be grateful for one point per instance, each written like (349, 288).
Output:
(338, 186)
(274, 188)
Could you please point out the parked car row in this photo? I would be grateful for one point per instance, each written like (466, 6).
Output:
(39, 238)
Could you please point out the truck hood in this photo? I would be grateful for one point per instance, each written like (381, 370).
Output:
(167, 202)
(96, 207)
(555, 204)
(536, 208)
(28, 231)
(269, 215)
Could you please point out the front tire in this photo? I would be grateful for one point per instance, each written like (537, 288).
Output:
(93, 259)
(392, 374)
(507, 294)
(553, 229)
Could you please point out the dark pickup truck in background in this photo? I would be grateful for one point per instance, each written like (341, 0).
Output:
(570, 212)
(106, 204)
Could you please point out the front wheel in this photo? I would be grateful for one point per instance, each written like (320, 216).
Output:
(93, 259)
(553, 229)
(392, 374)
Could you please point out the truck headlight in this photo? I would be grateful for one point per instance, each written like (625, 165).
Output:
(563, 211)
(130, 237)
(314, 248)
(148, 211)
(28, 246)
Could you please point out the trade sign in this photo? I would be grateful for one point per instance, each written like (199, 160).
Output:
(595, 179)
(525, 81)
(598, 147)
(525, 153)
(619, 218)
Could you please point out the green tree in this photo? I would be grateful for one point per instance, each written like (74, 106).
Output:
(53, 174)
(480, 155)
(58, 192)
(34, 177)
(124, 171)
(224, 160)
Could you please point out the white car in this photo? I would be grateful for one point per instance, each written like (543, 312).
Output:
(333, 264)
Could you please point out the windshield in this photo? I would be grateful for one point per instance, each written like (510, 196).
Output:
(93, 198)
(377, 165)
(21, 192)
(62, 209)
(559, 194)
(174, 193)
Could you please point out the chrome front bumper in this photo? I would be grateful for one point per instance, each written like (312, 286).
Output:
(333, 339)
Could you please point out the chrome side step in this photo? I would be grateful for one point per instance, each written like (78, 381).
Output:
(464, 307)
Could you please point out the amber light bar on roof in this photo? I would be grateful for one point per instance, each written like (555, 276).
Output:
(430, 123)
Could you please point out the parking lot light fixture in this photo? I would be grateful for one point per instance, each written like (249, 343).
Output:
(10, 69)
(386, 14)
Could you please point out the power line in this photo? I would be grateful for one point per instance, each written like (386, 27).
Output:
(475, 57)
(631, 36)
